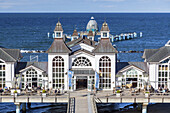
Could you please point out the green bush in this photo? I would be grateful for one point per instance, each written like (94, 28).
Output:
(43, 91)
(118, 91)
(15, 91)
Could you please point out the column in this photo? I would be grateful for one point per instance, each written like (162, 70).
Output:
(17, 107)
(23, 107)
(144, 107)
(29, 105)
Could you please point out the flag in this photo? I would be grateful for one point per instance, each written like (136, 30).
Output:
(70, 75)
(97, 80)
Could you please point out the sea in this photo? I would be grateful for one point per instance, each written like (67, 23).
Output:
(28, 31)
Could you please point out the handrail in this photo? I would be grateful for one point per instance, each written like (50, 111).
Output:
(136, 95)
(94, 105)
(68, 106)
(30, 94)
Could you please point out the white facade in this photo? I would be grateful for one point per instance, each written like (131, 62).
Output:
(51, 56)
(7, 73)
(134, 76)
(33, 77)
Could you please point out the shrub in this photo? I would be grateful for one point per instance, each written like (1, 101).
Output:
(43, 91)
(147, 92)
(118, 91)
(15, 91)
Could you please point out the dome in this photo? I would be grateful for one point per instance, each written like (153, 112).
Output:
(92, 25)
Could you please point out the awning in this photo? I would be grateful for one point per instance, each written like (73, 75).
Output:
(83, 72)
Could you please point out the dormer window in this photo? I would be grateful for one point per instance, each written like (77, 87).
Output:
(90, 38)
(58, 34)
(104, 34)
(75, 38)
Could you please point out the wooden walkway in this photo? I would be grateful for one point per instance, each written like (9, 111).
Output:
(83, 102)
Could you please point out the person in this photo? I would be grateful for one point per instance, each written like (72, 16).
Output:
(114, 90)
(6, 88)
(1, 90)
(38, 88)
(62, 88)
(26, 87)
(33, 87)
(58, 91)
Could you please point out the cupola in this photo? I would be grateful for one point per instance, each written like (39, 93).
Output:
(58, 31)
(90, 35)
(75, 35)
(105, 30)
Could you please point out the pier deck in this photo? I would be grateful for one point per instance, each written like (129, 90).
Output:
(84, 102)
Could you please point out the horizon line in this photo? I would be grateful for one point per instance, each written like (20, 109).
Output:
(82, 12)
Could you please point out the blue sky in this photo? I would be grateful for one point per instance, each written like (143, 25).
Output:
(84, 5)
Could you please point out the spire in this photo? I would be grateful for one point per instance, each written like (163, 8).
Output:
(58, 31)
(105, 30)
(90, 33)
(58, 27)
(75, 33)
(105, 27)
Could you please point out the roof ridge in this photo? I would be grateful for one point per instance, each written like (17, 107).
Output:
(8, 54)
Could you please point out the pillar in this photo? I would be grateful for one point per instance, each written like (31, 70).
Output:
(23, 107)
(139, 107)
(29, 105)
(17, 107)
(144, 107)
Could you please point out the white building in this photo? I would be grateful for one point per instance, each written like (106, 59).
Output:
(84, 57)
(158, 63)
(8, 62)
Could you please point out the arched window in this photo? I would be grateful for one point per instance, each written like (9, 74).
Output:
(58, 72)
(81, 61)
(105, 72)
(2, 74)
(31, 78)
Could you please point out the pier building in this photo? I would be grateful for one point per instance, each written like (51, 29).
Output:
(85, 57)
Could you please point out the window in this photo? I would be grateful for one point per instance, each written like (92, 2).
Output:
(163, 75)
(75, 38)
(91, 38)
(81, 61)
(104, 34)
(31, 78)
(58, 34)
(105, 72)
(58, 72)
(2, 74)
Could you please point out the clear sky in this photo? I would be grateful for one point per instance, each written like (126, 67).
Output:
(84, 5)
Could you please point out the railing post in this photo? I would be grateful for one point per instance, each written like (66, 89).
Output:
(144, 107)
(23, 107)
(17, 107)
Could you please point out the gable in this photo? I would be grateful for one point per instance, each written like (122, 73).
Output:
(82, 54)
(31, 67)
(82, 46)
(131, 67)
(165, 60)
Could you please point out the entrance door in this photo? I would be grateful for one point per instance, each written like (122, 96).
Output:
(81, 84)
(132, 81)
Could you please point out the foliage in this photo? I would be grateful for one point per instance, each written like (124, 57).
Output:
(43, 91)
(118, 91)
(147, 92)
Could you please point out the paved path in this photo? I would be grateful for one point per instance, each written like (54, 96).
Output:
(83, 102)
